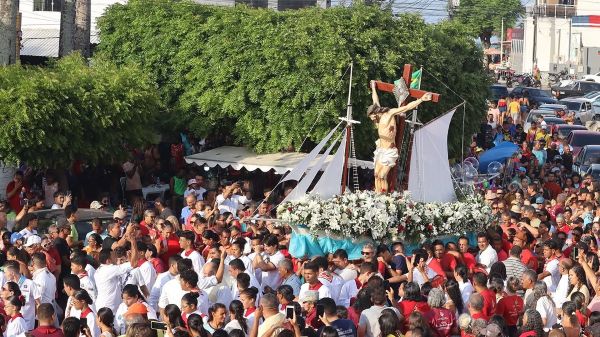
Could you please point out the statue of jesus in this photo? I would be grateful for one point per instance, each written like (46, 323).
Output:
(386, 153)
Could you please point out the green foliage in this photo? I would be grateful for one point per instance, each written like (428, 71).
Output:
(266, 77)
(483, 17)
(69, 110)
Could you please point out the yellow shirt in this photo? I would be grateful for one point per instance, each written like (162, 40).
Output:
(514, 107)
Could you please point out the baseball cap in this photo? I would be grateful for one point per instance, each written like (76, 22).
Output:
(14, 237)
(522, 169)
(310, 296)
(137, 308)
(192, 181)
(539, 200)
(33, 240)
(119, 214)
(95, 205)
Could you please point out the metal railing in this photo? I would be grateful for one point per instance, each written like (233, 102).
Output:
(555, 10)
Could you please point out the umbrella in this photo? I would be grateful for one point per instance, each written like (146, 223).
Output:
(499, 153)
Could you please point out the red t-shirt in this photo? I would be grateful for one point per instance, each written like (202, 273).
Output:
(489, 302)
(172, 245)
(47, 331)
(480, 315)
(510, 307)
(436, 266)
(441, 320)
(502, 255)
(408, 307)
(469, 260)
(15, 200)
(529, 334)
(144, 230)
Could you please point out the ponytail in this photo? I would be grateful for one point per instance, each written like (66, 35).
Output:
(236, 308)
(17, 301)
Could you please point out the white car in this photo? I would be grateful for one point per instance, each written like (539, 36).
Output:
(593, 77)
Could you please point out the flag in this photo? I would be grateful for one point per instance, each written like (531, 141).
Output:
(415, 80)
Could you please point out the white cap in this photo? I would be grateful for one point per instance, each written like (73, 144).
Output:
(33, 240)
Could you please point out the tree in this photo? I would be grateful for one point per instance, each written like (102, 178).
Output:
(266, 77)
(484, 17)
(67, 28)
(8, 31)
(68, 111)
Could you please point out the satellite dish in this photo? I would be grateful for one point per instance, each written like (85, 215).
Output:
(473, 161)
(495, 168)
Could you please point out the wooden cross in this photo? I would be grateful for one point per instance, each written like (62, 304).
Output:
(401, 120)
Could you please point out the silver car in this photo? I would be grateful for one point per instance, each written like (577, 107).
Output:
(582, 108)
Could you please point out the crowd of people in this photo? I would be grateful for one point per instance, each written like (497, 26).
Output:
(220, 265)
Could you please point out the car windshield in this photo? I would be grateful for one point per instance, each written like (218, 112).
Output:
(586, 139)
(538, 93)
(574, 106)
(498, 92)
(591, 94)
(564, 132)
(592, 157)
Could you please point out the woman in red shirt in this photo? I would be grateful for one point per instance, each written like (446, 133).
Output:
(167, 243)
(510, 307)
(412, 302)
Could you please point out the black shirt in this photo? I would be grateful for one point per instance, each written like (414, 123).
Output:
(107, 243)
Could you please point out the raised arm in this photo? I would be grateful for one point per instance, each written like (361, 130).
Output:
(374, 94)
(411, 105)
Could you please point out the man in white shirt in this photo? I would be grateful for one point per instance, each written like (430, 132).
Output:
(161, 280)
(236, 267)
(108, 277)
(172, 292)
(195, 189)
(31, 229)
(268, 262)
(78, 267)
(45, 282)
(420, 273)
(186, 242)
(188, 281)
(368, 323)
(344, 268)
(311, 277)
(551, 274)
(562, 289)
(231, 200)
(28, 291)
(487, 255)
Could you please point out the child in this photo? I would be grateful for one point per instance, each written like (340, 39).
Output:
(82, 302)
(16, 324)
(189, 305)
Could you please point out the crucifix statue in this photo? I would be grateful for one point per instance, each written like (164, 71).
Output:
(388, 121)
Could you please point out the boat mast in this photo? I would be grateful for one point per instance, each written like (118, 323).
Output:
(349, 121)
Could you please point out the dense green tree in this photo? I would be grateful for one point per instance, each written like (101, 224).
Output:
(53, 115)
(484, 17)
(267, 76)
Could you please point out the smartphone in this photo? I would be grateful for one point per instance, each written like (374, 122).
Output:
(575, 254)
(154, 325)
(289, 312)
(83, 326)
(386, 284)
(320, 310)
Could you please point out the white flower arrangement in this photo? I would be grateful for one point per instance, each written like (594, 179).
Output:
(384, 216)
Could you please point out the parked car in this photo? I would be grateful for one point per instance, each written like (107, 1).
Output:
(582, 109)
(589, 154)
(563, 130)
(580, 138)
(592, 77)
(594, 170)
(552, 122)
(552, 107)
(578, 88)
(532, 115)
(498, 91)
(536, 96)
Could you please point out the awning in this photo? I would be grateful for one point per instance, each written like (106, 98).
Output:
(241, 157)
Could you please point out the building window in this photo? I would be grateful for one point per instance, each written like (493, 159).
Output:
(47, 5)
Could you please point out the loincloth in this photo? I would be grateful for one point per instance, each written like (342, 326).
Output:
(386, 157)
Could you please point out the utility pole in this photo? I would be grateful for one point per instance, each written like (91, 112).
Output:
(67, 28)
(502, 43)
(81, 36)
(8, 31)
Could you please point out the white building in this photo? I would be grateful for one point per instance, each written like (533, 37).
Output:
(40, 23)
(557, 33)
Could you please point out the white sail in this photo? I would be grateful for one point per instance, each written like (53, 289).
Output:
(429, 179)
(330, 183)
(303, 166)
(302, 187)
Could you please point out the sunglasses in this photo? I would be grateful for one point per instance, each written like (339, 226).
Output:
(366, 253)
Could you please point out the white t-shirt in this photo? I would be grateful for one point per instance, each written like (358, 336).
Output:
(148, 274)
(161, 280)
(552, 280)
(369, 318)
(30, 293)
(45, 285)
(171, 293)
(197, 261)
(466, 289)
(86, 283)
(419, 278)
(334, 282)
(272, 278)
(348, 291)
(324, 291)
(547, 311)
(90, 319)
(108, 285)
(232, 204)
(15, 327)
(487, 257)
(120, 318)
(562, 290)
(27, 233)
(347, 273)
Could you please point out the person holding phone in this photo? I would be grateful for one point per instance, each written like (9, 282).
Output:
(344, 327)
(309, 301)
(82, 302)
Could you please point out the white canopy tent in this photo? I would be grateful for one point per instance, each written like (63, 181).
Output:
(241, 157)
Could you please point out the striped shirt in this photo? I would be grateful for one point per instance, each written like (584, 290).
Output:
(514, 267)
